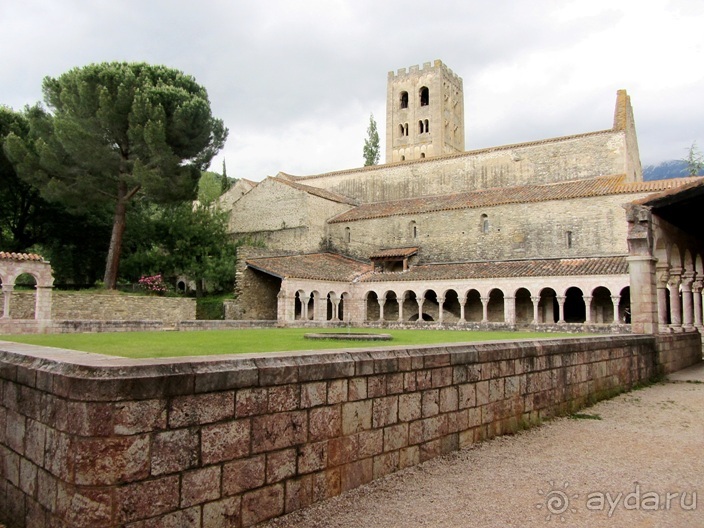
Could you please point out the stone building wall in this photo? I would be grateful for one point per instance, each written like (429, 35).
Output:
(85, 306)
(526, 230)
(561, 159)
(232, 441)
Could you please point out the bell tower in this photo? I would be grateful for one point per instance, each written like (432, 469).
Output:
(424, 113)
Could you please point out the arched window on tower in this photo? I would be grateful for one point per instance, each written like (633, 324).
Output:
(427, 126)
(484, 223)
(400, 129)
(405, 129)
(421, 127)
(424, 96)
(348, 235)
(403, 102)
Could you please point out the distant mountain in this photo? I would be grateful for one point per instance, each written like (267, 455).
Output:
(667, 169)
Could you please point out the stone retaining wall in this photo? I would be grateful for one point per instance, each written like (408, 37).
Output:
(96, 306)
(230, 441)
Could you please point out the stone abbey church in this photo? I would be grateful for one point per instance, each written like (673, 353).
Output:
(558, 231)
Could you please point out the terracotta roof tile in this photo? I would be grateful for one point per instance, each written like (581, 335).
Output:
(21, 256)
(321, 193)
(601, 186)
(316, 266)
(395, 252)
(506, 269)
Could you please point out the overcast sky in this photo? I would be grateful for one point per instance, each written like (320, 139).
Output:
(296, 81)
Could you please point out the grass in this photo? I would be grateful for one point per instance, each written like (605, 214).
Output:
(211, 342)
(585, 416)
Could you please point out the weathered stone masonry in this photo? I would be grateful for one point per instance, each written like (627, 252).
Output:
(89, 441)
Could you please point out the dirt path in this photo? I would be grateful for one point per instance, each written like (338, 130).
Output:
(584, 472)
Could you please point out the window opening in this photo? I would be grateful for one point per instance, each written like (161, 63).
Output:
(404, 100)
(424, 96)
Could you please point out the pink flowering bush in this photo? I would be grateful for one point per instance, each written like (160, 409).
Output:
(153, 284)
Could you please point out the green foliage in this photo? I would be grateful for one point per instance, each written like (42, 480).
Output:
(181, 240)
(372, 150)
(694, 160)
(210, 187)
(115, 131)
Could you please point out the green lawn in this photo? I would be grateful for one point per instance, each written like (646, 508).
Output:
(200, 343)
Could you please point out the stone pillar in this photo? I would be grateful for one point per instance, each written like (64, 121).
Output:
(697, 298)
(400, 299)
(675, 300)
(587, 308)
(420, 307)
(662, 276)
(510, 310)
(441, 301)
(335, 309)
(641, 269)
(462, 303)
(687, 301)
(355, 309)
(561, 308)
(485, 309)
(615, 300)
(7, 290)
(282, 306)
(536, 304)
(382, 302)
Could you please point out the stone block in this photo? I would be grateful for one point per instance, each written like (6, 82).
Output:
(109, 461)
(357, 389)
(355, 474)
(376, 386)
(46, 489)
(201, 409)
(430, 402)
(482, 392)
(385, 463)
(262, 504)
(448, 399)
(200, 485)
(427, 429)
(142, 500)
(325, 422)
(441, 377)
(394, 383)
(423, 380)
(313, 394)
(299, 493)
(35, 438)
(249, 402)
(15, 431)
(343, 450)
(337, 391)
(326, 484)
(91, 507)
(188, 518)
(28, 477)
(356, 416)
(395, 437)
(409, 406)
(277, 431)
(409, 456)
(225, 441)
(370, 443)
(224, 513)
(284, 398)
(174, 451)
(280, 465)
(312, 457)
(384, 411)
(243, 475)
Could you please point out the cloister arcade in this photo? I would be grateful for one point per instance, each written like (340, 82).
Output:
(585, 300)
(15, 265)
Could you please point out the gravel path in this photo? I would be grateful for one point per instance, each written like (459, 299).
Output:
(648, 443)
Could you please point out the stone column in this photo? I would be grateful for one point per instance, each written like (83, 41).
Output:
(485, 309)
(420, 307)
(335, 309)
(510, 310)
(7, 290)
(462, 303)
(400, 299)
(615, 300)
(382, 302)
(587, 308)
(441, 301)
(282, 306)
(662, 276)
(675, 300)
(536, 304)
(687, 301)
(697, 297)
(561, 308)
(641, 269)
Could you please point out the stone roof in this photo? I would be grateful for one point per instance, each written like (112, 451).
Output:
(21, 256)
(395, 252)
(316, 266)
(333, 267)
(600, 186)
(321, 193)
(506, 269)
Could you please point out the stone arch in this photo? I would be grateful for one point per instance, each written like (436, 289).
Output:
(403, 100)
(548, 307)
(331, 306)
(410, 305)
(473, 310)
(495, 306)
(451, 307)
(431, 306)
(391, 306)
(624, 305)
(688, 261)
(343, 310)
(371, 301)
(299, 299)
(12, 267)
(601, 310)
(574, 307)
(424, 96)
(524, 306)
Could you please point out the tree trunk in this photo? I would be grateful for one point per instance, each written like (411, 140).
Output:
(118, 230)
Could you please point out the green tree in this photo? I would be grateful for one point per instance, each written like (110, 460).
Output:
(183, 240)
(371, 144)
(694, 160)
(209, 187)
(116, 131)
